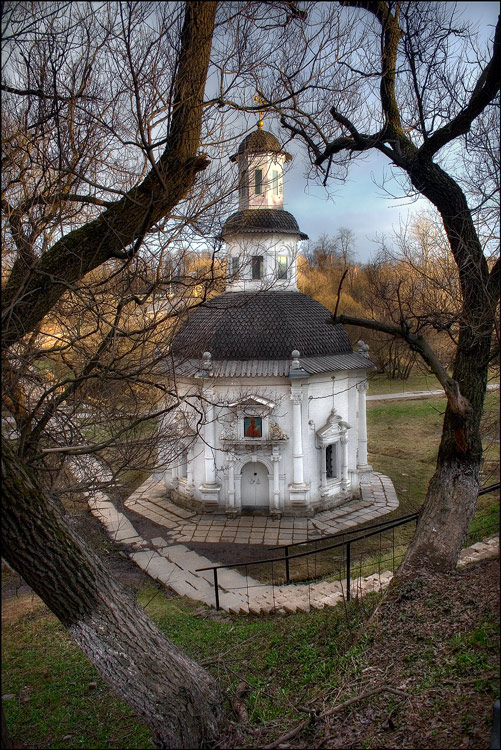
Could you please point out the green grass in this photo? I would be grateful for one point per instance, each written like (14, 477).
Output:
(287, 660)
(60, 700)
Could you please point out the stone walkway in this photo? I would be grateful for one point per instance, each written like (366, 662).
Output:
(417, 394)
(149, 500)
(174, 565)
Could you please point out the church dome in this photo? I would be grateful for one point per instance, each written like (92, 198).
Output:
(268, 220)
(260, 326)
(260, 141)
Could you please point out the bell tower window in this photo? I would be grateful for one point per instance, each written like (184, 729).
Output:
(274, 182)
(258, 181)
(242, 186)
(257, 267)
(282, 267)
(234, 266)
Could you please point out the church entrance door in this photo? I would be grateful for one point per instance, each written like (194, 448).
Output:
(255, 486)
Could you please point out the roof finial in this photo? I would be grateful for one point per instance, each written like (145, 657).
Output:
(259, 100)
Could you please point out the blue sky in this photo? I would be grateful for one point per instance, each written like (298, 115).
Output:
(360, 204)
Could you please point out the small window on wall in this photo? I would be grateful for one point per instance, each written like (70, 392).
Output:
(274, 182)
(258, 184)
(242, 187)
(234, 266)
(331, 461)
(183, 464)
(253, 427)
(282, 267)
(257, 267)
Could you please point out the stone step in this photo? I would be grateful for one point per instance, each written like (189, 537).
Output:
(229, 579)
(164, 504)
(186, 584)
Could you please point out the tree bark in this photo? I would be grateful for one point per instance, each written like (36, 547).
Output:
(176, 698)
(452, 492)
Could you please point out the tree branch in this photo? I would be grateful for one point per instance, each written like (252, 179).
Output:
(417, 342)
(28, 297)
(487, 87)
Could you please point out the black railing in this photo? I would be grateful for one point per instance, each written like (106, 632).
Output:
(382, 526)
(357, 535)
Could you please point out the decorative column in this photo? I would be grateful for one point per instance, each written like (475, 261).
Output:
(344, 460)
(299, 489)
(231, 509)
(209, 490)
(210, 442)
(275, 457)
(364, 469)
(297, 437)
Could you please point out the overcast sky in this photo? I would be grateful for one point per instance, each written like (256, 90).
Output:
(361, 203)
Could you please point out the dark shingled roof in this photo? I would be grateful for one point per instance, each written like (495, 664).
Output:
(260, 326)
(258, 220)
(260, 141)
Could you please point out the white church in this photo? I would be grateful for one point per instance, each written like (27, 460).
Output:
(274, 419)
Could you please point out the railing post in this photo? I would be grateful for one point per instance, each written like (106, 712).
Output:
(287, 571)
(216, 589)
(348, 565)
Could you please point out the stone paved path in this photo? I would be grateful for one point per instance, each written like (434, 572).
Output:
(174, 565)
(149, 500)
(417, 394)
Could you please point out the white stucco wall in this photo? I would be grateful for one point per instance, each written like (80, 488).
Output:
(321, 394)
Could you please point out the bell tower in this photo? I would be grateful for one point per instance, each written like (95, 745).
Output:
(261, 238)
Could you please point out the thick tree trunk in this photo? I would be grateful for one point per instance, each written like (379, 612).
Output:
(453, 489)
(176, 698)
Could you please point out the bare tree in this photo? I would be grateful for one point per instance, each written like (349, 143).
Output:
(110, 121)
(437, 90)
(104, 112)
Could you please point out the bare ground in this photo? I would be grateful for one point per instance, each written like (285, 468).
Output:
(426, 676)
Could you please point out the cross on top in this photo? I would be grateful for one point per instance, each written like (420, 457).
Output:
(259, 100)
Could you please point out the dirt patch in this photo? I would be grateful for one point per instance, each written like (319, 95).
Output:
(19, 606)
(435, 641)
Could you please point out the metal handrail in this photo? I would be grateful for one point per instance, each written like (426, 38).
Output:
(343, 533)
(348, 543)
(379, 528)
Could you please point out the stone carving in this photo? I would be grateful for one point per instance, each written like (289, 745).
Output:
(363, 348)
(229, 433)
(276, 432)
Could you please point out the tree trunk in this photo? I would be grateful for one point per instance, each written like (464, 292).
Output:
(175, 697)
(31, 291)
(453, 489)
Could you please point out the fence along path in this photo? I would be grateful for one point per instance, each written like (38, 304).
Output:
(181, 569)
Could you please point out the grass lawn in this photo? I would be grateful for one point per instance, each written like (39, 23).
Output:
(56, 699)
